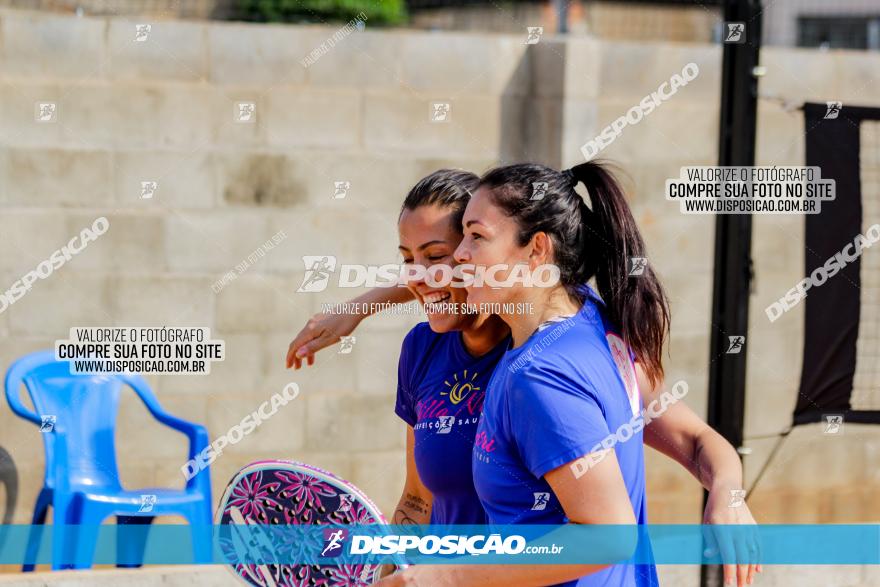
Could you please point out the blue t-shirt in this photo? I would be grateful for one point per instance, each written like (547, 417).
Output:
(551, 401)
(440, 391)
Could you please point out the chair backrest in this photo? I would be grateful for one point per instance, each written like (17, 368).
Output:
(84, 409)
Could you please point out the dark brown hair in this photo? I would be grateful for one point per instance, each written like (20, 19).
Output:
(449, 188)
(596, 241)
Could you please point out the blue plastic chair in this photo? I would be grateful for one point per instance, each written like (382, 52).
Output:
(82, 478)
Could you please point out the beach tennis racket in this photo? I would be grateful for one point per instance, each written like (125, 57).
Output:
(284, 493)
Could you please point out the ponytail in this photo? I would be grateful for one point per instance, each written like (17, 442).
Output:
(597, 241)
(637, 304)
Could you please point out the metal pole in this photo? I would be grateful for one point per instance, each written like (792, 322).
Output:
(733, 234)
(561, 15)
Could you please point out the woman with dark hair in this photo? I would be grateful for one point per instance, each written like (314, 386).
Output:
(505, 224)
(444, 364)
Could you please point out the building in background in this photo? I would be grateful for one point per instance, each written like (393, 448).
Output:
(838, 24)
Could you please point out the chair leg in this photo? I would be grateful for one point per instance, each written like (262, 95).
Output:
(84, 537)
(61, 531)
(202, 534)
(41, 509)
(85, 520)
(130, 547)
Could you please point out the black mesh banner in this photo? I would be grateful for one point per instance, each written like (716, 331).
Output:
(840, 373)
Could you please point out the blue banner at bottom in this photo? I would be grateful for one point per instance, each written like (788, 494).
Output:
(371, 544)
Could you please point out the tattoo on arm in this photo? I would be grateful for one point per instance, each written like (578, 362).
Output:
(412, 506)
(401, 517)
(414, 502)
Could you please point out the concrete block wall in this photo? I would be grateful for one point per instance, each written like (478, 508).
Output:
(162, 110)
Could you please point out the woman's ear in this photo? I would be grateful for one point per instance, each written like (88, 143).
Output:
(541, 249)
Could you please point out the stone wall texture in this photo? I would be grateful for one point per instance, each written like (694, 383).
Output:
(164, 110)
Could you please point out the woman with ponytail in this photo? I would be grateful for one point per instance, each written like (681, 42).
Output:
(568, 380)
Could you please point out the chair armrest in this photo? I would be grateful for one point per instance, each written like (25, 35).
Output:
(13, 383)
(197, 434)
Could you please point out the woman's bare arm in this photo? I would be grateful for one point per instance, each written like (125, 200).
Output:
(323, 330)
(415, 502)
(684, 437)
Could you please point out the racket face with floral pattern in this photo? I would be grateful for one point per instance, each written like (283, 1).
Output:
(285, 493)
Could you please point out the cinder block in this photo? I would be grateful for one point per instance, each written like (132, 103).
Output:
(214, 243)
(403, 123)
(462, 63)
(284, 432)
(381, 476)
(239, 117)
(183, 179)
(308, 178)
(690, 299)
(658, 136)
(548, 63)
(172, 50)
(167, 473)
(30, 481)
(43, 177)
(810, 460)
(6, 194)
(30, 237)
(799, 74)
(338, 463)
(363, 59)
(582, 67)
(133, 243)
(856, 77)
(38, 44)
(239, 373)
(4, 323)
(258, 303)
(361, 423)
(264, 179)
(142, 438)
(272, 57)
(375, 358)
(312, 118)
(371, 238)
(781, 135)
(153, 300)
(63, 300)
(21, 438)
(428, 165)
(20, 105)
(633, 69)
(166, 116)
(579, 124)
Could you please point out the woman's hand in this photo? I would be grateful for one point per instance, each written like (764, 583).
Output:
(726, 506)
(321, 331)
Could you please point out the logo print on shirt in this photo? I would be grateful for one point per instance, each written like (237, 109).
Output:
(444, 424)
(461, 389)
(541, 500)
(620, 354)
